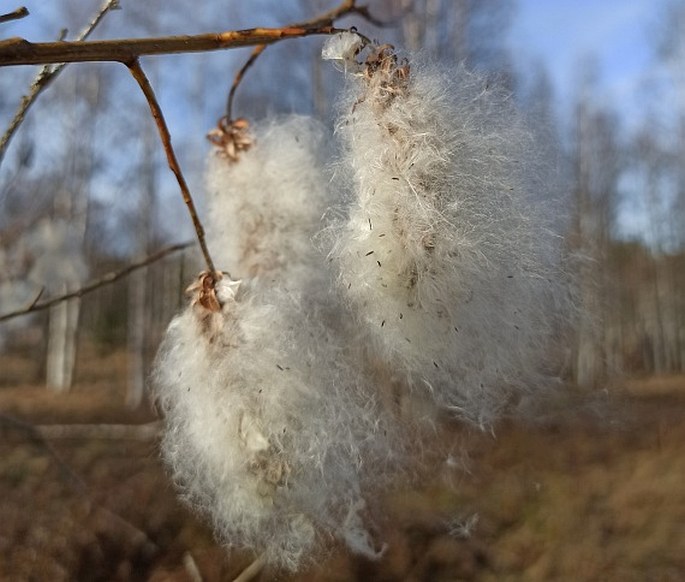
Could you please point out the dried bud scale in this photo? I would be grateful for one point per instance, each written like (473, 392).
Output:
(231, 138)
(444, 256)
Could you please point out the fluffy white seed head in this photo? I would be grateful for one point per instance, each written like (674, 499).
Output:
(270, 431)
(264, 207)
(445, 255)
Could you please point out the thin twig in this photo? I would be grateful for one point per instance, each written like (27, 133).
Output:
(329, 18)
(191, 567)
(165, 136)
(37, 438)
(46, 75)
(21, 12)
(344, 9)
(132, 432)
(96, 284)
(38, 296)
(258, 50)
(76, 482)
(18, 51)
(252, 570)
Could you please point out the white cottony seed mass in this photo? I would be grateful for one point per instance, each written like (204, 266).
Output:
(295, 397)
(268, 425)
(446, 255)
(264, 208)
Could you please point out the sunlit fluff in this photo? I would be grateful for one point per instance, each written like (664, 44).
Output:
(268, 428)
(264, 208)
(445, 255)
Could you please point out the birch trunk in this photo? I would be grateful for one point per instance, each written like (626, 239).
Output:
(137, 313)
(62, 335)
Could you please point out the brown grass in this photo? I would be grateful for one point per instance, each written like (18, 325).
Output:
(592, 490)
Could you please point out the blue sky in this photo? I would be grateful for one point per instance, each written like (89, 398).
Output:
(558, 33)
(562, 34)
(621, 36)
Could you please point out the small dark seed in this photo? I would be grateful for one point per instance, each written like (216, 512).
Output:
(369, 253)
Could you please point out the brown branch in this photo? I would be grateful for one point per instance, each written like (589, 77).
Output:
(135, 432)
(96, 284)
(165, 136)
(46, 75)
(19, 51)
(21, 12)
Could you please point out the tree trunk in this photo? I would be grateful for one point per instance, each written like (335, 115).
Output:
(62, 335)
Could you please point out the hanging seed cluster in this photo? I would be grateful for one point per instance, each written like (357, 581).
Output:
(439, 282)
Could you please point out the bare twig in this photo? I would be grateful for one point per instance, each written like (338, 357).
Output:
(327, 19)
(190, 565)
(21, 12)
(258, 50)
(38, 296)
(37, 438)
(165, 136)
(47, 74)
(252, 570)
(96, 284)
(132, 432)
(346, 8)
(18, 51)
(76, 482)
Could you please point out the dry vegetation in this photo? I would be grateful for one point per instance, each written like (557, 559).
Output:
(592, 491)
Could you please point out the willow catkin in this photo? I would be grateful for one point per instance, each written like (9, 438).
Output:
(266, 202)
(279, 425)
(446, 255)
(268, 428)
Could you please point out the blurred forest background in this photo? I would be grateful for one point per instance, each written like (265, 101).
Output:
(85, 190)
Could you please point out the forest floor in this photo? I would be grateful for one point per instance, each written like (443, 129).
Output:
(593, 489)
